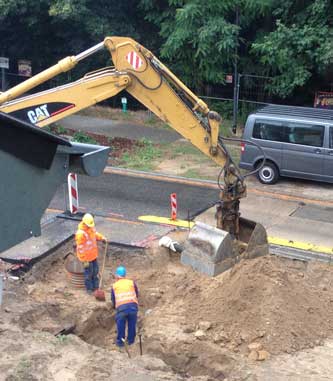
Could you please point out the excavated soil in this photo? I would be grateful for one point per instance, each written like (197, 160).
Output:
(192, 327)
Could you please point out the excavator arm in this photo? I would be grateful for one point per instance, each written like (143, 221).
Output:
(142, 75)
(138, 72)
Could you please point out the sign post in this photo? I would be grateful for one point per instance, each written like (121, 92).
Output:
(124, 103)
(24, 68)
(4, 64)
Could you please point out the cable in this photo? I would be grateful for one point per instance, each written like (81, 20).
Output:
(247, 142)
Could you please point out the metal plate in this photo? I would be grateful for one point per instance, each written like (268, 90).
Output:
(315, 213)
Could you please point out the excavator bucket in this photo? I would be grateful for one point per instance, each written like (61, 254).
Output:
(253, 237)
(212, 251)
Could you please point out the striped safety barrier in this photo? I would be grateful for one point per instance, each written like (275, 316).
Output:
(173, 200)
(73, 193)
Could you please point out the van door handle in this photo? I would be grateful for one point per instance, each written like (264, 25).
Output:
(317, 150)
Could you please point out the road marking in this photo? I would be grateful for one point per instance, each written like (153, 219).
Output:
(167, 221)
(300, 245)
(122, 220)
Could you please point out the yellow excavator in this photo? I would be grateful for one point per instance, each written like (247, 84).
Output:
(141, 74)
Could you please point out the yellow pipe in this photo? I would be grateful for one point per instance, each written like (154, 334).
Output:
(62, 66)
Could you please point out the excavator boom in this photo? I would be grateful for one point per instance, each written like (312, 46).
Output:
(141, 74)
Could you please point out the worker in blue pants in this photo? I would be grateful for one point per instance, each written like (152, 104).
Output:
(124, 297)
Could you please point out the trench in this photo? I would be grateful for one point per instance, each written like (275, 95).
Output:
(99, 330)
(99, 327)
(94, 321)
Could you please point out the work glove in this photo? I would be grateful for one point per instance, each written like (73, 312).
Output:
(85, 264)
(105, 240)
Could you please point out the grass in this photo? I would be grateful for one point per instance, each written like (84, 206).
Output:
(234, 152)
(63, 339)
(22, 370)
(56, 128)
(184, 148)
(193, 174)
(143, 158)
(148, 156)
(81, 137)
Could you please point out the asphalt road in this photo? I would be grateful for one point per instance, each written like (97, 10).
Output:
(126, 197)
(114, 128)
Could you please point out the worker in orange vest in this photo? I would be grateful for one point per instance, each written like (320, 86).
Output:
(86, 239)
(124, 297)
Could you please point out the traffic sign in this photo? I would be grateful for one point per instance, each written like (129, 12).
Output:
(4, 62)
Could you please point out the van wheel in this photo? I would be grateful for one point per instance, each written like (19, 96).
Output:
(268, 174)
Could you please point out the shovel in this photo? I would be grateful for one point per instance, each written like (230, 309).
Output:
(99, 293)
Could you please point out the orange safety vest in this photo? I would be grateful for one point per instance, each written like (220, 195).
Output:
(124, 292)
(86, 243)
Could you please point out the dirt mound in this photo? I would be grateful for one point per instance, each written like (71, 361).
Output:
(285, 305)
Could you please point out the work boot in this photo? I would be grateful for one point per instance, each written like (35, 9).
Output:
(89, 292)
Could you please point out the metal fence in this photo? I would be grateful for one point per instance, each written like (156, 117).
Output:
(234, 100)
(241, 97)
(9, 80)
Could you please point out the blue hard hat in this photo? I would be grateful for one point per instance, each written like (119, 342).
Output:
(121, 271)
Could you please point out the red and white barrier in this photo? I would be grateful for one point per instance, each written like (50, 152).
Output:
(73, 193)
(173, 201)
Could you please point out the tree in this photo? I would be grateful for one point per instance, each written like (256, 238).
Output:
(300, 46)
(47, 30)
(200, 37)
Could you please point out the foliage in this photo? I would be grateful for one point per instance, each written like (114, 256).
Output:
(200, 41)
(300, 46)
(81, 137)
(143, 158)
(201, 37)
(63, 339)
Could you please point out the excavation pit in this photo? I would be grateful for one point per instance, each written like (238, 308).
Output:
(197, 326)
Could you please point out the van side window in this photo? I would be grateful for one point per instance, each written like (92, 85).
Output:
(305, 134)
(268, 131)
